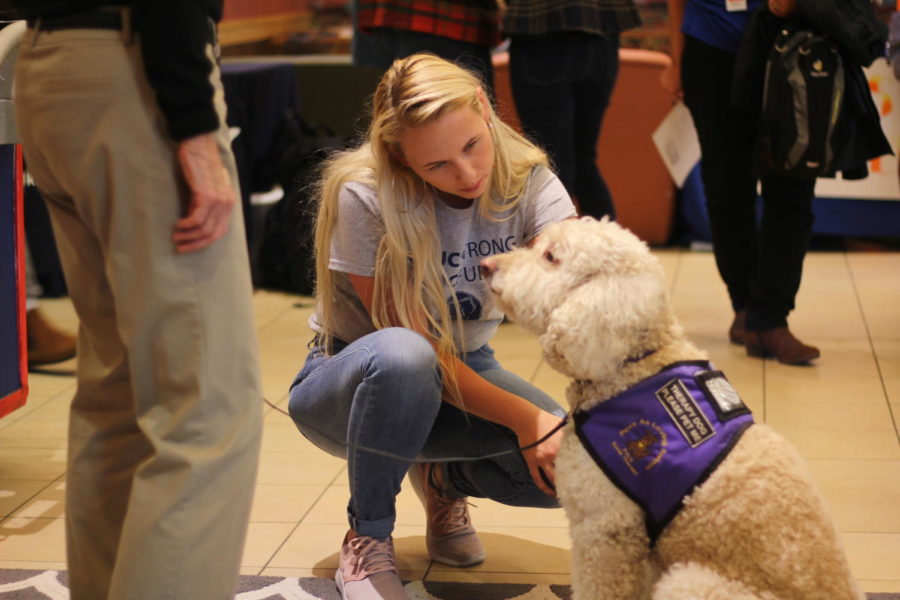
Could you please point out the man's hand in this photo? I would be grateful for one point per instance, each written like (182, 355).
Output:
(212, 195)
(782, 8)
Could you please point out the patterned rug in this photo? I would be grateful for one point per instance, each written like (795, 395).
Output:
(16, 584)
(43, 585)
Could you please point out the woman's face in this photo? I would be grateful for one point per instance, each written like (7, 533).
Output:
(454, 153)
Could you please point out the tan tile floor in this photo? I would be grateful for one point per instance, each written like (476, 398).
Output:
(842, 414)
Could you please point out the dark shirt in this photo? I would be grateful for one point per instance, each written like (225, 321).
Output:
(173, 35)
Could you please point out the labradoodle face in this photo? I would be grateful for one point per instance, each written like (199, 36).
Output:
(585, 287)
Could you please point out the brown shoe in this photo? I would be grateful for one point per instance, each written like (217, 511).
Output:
(781, 344)
(46, 343)
(451, 539)
(738, 328)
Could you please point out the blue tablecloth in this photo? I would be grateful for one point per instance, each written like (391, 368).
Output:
(833, 216)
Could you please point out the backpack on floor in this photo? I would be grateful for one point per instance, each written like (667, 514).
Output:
(802, 99)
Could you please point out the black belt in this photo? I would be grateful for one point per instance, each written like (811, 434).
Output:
(85, 20)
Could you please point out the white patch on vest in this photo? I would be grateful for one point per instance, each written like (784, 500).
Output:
(685, 413)
(724, 394)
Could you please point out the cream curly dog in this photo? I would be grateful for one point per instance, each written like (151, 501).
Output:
(750, 526)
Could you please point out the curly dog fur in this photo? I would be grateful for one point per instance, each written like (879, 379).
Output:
(757, 528)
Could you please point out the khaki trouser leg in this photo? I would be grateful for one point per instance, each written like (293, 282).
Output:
(165, 424)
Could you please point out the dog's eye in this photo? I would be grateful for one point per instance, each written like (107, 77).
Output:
(550, 258)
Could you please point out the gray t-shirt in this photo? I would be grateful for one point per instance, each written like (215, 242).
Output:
(466, 238)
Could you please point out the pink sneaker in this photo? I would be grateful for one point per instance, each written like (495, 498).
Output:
(367, 570)
(450, 537)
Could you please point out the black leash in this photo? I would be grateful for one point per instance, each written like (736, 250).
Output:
(546, 437)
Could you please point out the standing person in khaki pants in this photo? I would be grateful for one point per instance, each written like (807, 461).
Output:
(121, 115)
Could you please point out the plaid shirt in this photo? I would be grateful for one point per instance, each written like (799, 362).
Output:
(604, 17)
(473, 21)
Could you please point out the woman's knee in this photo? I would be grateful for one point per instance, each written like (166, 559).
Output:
(400, 373)
(404, 353)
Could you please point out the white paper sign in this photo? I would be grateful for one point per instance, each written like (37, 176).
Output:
(677, 143)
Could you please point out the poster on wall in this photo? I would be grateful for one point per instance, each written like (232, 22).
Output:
(882, 182)
(13, 367)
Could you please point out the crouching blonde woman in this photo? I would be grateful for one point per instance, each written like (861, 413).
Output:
(400, 362)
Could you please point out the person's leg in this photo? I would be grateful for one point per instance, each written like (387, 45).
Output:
(443, 487)
(541, 71)
(102, 411)
(727, 165)
(785, 232)
(362, 50)
(380, 392)
(505, 479)
(591, 94)
(46, 343)
(165, 424)
(102, 414)
(388, 44)
(188, 322)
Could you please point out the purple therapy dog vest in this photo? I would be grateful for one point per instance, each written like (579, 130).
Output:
(665, 435)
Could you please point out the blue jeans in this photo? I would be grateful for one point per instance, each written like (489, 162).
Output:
(561, 85)
(383, 391)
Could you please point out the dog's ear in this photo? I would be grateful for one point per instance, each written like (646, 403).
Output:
(604, 322)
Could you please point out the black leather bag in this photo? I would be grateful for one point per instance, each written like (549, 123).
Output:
(803, 96)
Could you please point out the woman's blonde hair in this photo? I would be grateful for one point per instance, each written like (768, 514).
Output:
(410, 282)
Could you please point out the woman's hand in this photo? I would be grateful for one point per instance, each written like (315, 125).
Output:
(540, 459)
(486, 400)
(670, 78)
(782, 8)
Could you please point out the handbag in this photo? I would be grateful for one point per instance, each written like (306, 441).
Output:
(803, 95)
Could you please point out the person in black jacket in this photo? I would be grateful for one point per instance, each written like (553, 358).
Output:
(121, 117)
(760, 260)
